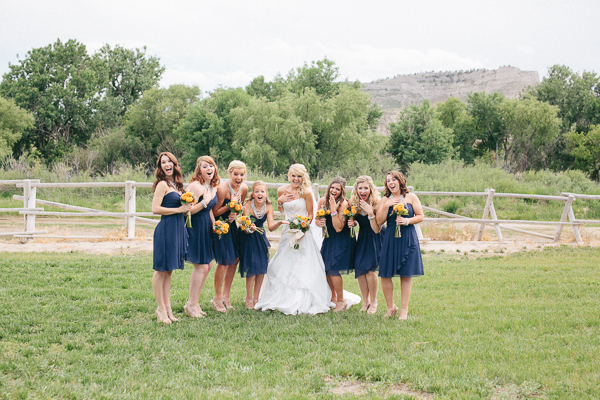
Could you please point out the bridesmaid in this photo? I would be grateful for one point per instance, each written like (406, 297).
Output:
(170, 235)
(226, 248)
(337, 250)
(254, 246)
(399, 256)
(200, 253)
(365, 197)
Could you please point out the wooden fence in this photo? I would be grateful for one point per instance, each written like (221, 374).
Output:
(31, 209)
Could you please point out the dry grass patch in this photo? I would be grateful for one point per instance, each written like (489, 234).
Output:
(360, 388)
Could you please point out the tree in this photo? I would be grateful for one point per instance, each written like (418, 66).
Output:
(419, 136)
(154, 118)
(13, 122)
(585, 147)
(57, 83)
(485, 110)
(453, 114)
(320, 76)
(531, 129)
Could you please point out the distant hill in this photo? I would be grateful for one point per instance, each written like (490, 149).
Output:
(400, 91)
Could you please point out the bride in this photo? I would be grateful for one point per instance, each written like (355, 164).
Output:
(295, 282)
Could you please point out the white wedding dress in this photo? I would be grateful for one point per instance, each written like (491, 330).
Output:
(295, 282)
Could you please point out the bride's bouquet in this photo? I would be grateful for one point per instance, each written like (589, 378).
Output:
(298, 226)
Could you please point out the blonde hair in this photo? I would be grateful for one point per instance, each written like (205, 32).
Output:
(198, 172)
(236, 164)
(255, 185)
(374, 195)
(300, 170)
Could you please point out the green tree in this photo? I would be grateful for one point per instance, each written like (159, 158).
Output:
(154, 118)
(531, 129)
(585, 147)
(57, 83)
(486, 113)
(206, 129)
(320, 76)
(419, 136)
(13, 122)
(453, 114)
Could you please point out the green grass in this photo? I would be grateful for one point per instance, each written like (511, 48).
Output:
(77, 326)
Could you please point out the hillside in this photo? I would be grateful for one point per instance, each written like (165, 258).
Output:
(403, 90)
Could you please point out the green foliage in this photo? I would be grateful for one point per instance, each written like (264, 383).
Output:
(453, 114)
(112, 148)
(585, 147)
(419, 136)
(13, 122)
(152, 119)
(486, 111)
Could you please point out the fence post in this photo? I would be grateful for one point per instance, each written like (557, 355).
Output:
(417, 226)
(315, 190)
(29, 197)
(563, 217)
(130, 193)
(486, 211)
(575, 227)
(496, 226)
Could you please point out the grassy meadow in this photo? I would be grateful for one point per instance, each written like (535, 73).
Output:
(519, 326)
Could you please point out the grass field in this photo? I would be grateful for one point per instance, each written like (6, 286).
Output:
(520, 326)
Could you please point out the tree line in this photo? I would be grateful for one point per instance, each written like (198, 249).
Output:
(104, 109)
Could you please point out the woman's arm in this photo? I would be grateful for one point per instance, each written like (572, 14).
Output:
(198, 190)
(222, 191)
(308, 197)
(271, 219)
(370, 210)
(418, 210)
(382, 208)
(212, 217)
(320, 222)
(161, 190)
(339, 220)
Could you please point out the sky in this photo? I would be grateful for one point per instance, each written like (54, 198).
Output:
(228, 43)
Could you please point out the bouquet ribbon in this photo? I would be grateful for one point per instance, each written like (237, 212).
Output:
(295, 238)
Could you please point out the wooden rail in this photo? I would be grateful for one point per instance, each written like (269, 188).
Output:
(489, 217)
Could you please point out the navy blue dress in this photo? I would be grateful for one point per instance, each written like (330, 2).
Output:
(170, 237)
(338, 250)
(226, 248)
(254, 251)
(200, 250)
(368, 247)
(400, 256)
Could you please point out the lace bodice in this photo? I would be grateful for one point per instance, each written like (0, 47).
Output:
(295, 207)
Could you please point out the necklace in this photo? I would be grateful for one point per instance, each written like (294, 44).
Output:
(169, 183)
(259, 213)
(233, 192)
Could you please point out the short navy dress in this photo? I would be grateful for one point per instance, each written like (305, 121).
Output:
(400, 256)
(254, 251)
(226, 248)
(200, 249)
(337, 250)
(170, 237)
(368, 247)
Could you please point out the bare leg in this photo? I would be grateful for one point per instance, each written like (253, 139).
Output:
(257, 285)
(333, 294)
(197, 280)
(249, 300)
(387, 286)
(228, 282)
(338, 285)
(158, 282)
(217, 301)
(167, 295)
(373, 284)
(405, 289)
(364, 291)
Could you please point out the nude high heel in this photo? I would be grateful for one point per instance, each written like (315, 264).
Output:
(372, 308)
(391, 312)
(218, 305)
(365, 307)
(340, 306)
(403, 314)
(161, 316)
(188, 311)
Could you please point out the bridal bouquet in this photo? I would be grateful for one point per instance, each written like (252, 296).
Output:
(400, 210)
(298, 225)
(220, 228)
(322, 213)
(350, 213)
(234, 207)
(245, 222)
(187, 198)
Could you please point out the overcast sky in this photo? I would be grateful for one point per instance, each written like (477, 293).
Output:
(228, 43)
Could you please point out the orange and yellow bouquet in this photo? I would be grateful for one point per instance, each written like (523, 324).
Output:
(400, 210)
(188, 198)
(220, 228)
(322, 213)
(234, 207)
(244, 222)
(300, 224)
(350, 213)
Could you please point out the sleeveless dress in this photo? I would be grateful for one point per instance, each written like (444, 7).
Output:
(226, 248)
(200, 249)
(400, 256)
(338, 249)
(254, 251)
(368, 247)
(295, 282)
(170, 237)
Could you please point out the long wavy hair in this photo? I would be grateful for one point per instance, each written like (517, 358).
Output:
(340, 181)
(300, 170)
(255, 185)
(374, 195)
(401, 180)
(198, 172)
(161, 176)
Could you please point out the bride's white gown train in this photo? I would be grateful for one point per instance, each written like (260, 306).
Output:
(295, 282)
